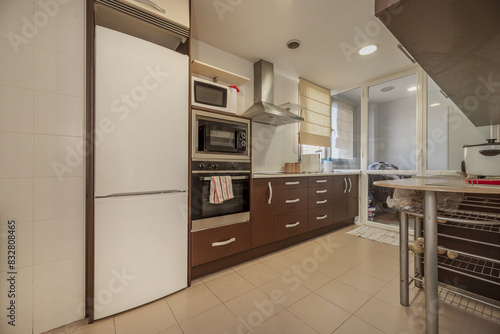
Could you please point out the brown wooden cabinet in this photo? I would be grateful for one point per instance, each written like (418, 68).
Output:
(215, 243)
(345, 197)
(262, 212)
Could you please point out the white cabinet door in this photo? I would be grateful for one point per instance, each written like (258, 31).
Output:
(176, 11)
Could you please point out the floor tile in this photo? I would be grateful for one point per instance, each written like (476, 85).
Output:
(356, 325)
(283, 323)
(361, 281)
(315, 280)
(391, 295)
(104, 326)
(389, 319)
(321, 315)
(218, 274)
(253, 308)
(229, 286)
(279, 262)
(259, 274)
(346, 259)
(377, 270)
(284, 292)
(149, 319)
(343, 295)
(173, 330)
(192, 301)
(332, 268)
(217, 320)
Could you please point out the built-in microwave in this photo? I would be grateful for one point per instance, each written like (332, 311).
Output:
(211, 95)
(220, 137)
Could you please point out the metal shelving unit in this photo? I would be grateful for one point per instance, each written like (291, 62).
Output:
(476, 213)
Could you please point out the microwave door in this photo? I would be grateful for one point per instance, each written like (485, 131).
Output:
(222, 139)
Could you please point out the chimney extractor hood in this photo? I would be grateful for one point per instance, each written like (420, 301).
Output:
(263, 110)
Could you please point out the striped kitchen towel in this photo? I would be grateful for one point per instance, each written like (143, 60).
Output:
(221, 189)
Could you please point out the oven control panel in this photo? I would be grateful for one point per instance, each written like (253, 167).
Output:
(198, 166)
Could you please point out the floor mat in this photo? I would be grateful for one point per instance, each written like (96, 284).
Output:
(376, 234)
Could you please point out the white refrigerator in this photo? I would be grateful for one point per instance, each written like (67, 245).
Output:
(141, 172)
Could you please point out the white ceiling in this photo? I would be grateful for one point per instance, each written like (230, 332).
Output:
(259, 29)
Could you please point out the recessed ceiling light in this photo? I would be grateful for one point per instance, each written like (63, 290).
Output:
(293, 44)
(412, 89)
(387, 89)
(434, 104)
(369, 49)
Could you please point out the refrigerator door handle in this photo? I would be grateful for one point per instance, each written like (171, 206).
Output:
(142, 193)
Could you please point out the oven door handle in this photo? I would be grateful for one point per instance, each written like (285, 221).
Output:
(208, 178)
(223, 243)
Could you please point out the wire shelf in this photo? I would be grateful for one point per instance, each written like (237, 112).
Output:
(489, 269)
(464, 300)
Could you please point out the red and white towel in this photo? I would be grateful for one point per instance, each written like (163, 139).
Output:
(221, 189)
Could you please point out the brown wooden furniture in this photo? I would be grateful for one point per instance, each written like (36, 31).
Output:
(457, 43)
(284, 211)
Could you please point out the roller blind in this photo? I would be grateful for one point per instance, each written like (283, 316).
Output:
(316, 128)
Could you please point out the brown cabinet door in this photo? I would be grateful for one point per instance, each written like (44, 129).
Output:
(290, 224)
(340, 187)
(289, 200)
(219, 242)
(261, 212)
(352, 196)
(319, 217)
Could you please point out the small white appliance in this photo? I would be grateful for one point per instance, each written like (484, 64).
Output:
(311, 163)
(212, 95)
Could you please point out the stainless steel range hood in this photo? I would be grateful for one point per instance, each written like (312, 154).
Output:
(263, 110)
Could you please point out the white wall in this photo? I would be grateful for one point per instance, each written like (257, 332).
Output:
(272, 146)
(41, 116)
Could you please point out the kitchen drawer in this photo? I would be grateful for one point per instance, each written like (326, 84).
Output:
(289, 200)
(290, 224)
(215, 243)
(320, 217)
(320, 181)
(289, 182)
(319, 191)
(317, 202)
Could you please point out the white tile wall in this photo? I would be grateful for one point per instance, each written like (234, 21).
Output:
(17, 109)
(42, 90)
(16, 199)
(18, 71)
(48, 244)
(50, 151)
(57, 73)
(57, 281)
(16, 154)
(24, 247)
(58, 114)
(54, 199)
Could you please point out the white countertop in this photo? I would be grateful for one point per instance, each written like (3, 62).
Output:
(263, 175)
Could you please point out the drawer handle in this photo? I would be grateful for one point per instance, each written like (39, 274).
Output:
(290, 201)
(292, 225)
(321, 191)
(292, 183)
(223, 243)
(321, 217)
(321, 181)
(322, 202)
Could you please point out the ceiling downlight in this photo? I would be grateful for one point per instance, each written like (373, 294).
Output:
(369, 49)
(293, 44)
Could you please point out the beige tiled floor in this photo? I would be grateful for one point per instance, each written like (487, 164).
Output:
(337, 284)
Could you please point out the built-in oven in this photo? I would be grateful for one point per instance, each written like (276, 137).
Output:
(206, 215)
(220, 137)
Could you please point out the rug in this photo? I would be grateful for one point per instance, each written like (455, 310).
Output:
(376, 234)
